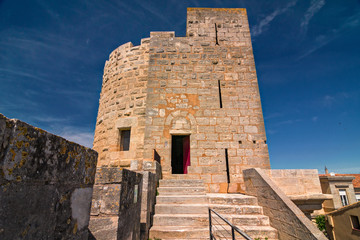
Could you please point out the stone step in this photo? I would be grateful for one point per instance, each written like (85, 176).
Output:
(203, 220)
(231, 199)
(236, 209)
(181, 209)
(261, 232)
(249, 220)
(255, 232)
(180, 176)
(181, 220)
(181, 199)
(178, 232)
(186, 232)
(181, 190)
(201, 208)
(181, 183)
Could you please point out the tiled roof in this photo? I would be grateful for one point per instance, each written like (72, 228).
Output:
(356, 181)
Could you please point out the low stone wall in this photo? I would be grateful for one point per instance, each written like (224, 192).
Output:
(284, 215)
(45, 184)
(151, 171)
(116, 205)
(296, 181)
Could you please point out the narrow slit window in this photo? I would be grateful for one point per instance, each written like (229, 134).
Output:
(216, 35)
(125, 140)
(227, 165)
(220, 99)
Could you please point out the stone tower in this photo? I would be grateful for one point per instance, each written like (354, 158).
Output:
(192, 101)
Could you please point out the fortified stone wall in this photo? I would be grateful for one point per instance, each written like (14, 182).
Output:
(203, 85)
(183, 97)
(45, 184)
(122, 104)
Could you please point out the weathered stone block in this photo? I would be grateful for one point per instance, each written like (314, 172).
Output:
(117, 204)
(45, 184)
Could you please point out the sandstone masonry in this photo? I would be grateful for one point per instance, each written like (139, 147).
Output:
(203, 86)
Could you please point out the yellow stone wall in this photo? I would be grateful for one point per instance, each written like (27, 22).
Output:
(177, 80)
(122, 104)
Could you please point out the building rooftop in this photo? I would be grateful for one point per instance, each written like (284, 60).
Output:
(356, 181)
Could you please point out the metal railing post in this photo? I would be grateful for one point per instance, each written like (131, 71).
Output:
(233, 228)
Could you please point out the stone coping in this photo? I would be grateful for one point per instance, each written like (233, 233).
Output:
(320, 197)
(338, 178)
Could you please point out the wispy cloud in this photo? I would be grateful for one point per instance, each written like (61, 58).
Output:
(315, 6)
(287, 122)
(330, 100)
(315, 118)
(49, 119)
(271, 131)
(260, 27)
(324, 39)
(77, 135)
(273, 115)
(21, 73)
(147, 5)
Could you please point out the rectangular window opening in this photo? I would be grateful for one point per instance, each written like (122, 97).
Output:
(357, 196)
(125, 139)
(343, 197)
(355, 222)
(180, 154)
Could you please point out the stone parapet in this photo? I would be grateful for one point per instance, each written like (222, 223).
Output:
(284, 215)
(116, 204)
(45, 184)
(296, 181)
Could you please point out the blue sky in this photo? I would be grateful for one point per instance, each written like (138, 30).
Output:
(307, 54)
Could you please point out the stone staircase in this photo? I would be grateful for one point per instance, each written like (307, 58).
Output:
(181, 212)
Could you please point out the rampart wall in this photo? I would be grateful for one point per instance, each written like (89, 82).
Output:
(46, 184)
(122, 104)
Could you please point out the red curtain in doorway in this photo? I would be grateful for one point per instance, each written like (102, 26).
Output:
(186, 151)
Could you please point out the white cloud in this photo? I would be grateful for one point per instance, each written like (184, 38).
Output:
(315, 6)
(328, 100)
(324, 39)
(287, 122)
(77, 135)
(259, 28)
(48, 119)
(337, 98)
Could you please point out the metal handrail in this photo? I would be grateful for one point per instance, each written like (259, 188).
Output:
(233, 228)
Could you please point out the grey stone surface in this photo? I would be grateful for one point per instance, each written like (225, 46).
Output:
(45, 184)
(116, 204)
(284, 215)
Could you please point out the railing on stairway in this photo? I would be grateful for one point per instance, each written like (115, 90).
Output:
(218, 231)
